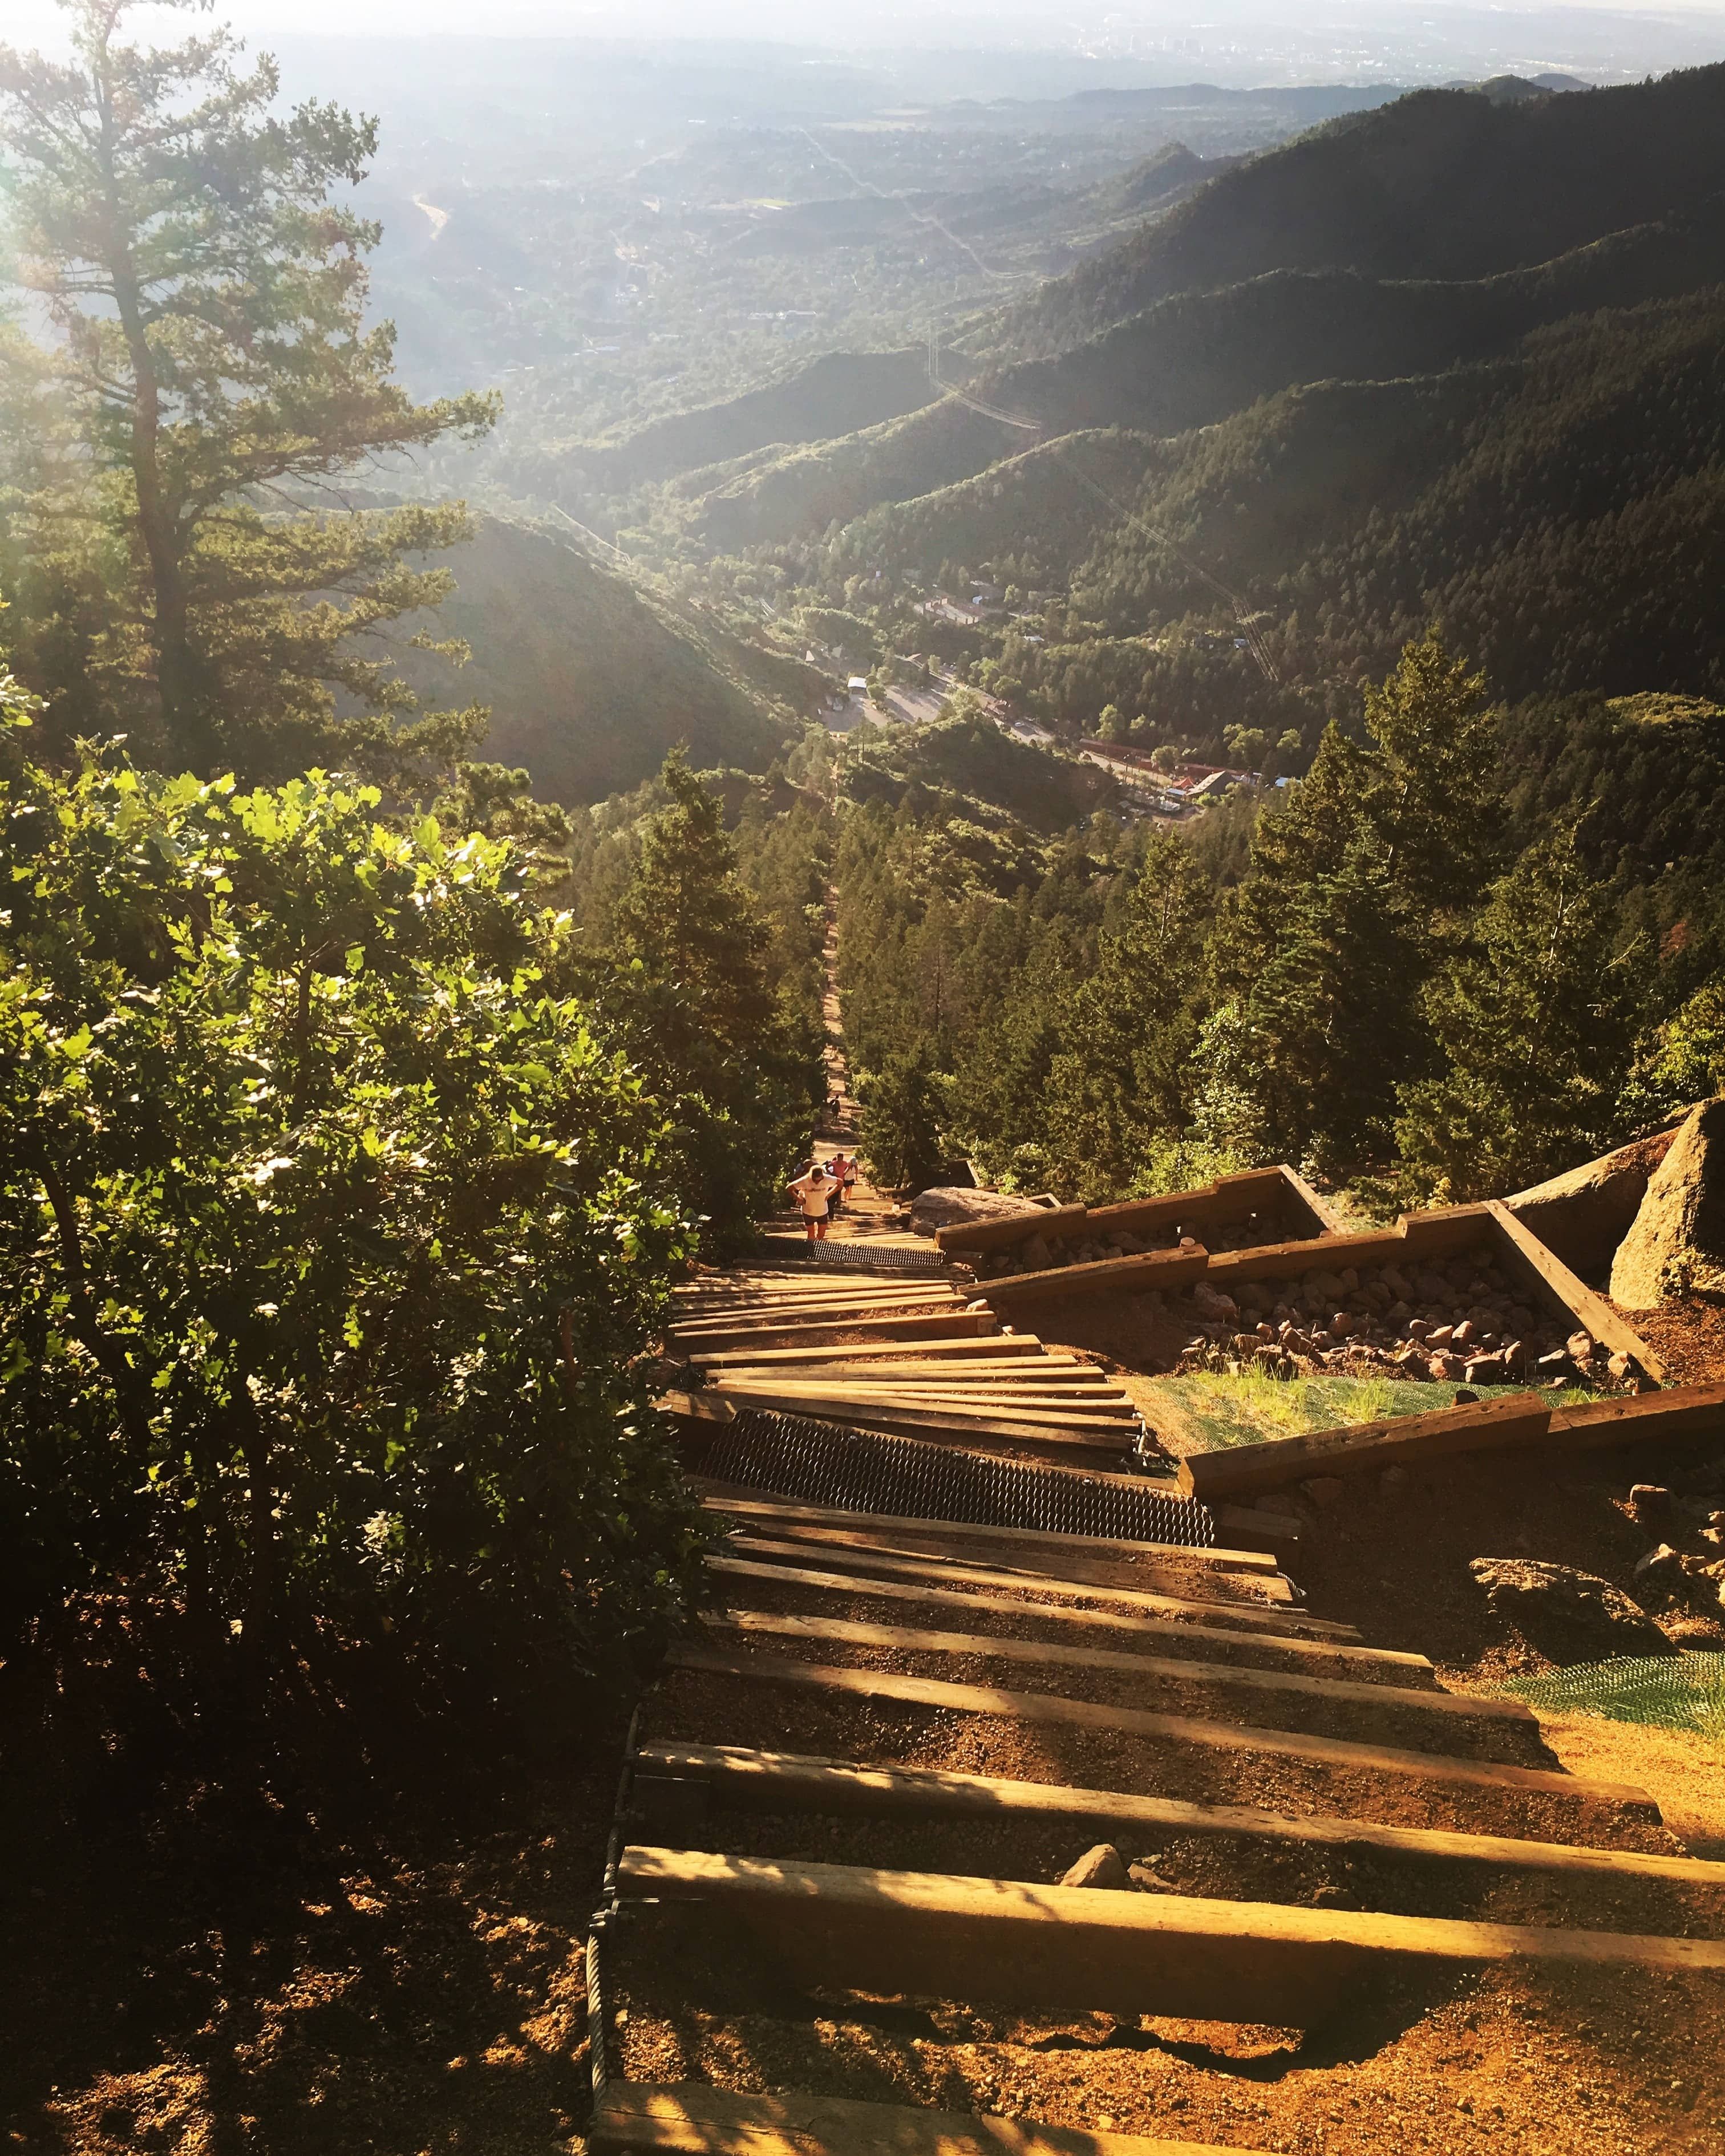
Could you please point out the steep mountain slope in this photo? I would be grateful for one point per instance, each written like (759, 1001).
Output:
(835, 394)
(1198, 356)
(590, 682)
(1441, 183)
(1561, 512)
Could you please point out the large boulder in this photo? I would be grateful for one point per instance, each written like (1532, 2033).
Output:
(1572, 1616)
(950, 1207)
(1585, 1213)
(1677, 1242)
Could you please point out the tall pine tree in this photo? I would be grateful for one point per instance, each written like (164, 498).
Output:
(699, 1009)
(1118, 1084)
(1535, 1021)
(188, 569)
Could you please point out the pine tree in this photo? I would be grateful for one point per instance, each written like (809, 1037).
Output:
(188, 570)
(1535, 1021)
(1352, 900)
(1118, 1082)
(698, 1006)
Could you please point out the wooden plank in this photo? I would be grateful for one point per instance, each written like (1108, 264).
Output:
(1245, 1471)
(1013, 1538)
(1220, 1204)
(847, 1296)
(1006, 1347)
(1028, 1370)
(1046, 1653)
(878, 1555)
(1546, 1270)
(1416, 1237)
(1137, 1275)
(704, 1406)
(1154, 1628)
(775, 1781)
(689, 2118)
(1009, 1408)
(1044, 1949)
(1302, 1198)
(1080, 1399)
(952, 1422)
(956, 1325)
(1001, 1233)
(1685, 1411)
(1339, 1752)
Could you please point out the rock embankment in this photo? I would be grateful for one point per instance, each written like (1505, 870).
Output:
(1463, 1320)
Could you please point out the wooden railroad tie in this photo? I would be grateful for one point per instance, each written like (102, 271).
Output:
(1244, 1470)
(742, 1780)
(1340, 1754)
(881, 1558)
(1156, 1630)
(1044, 1654)
(1025, 1540)
(1039, 1949)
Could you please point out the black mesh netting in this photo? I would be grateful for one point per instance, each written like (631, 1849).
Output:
(862, 1471)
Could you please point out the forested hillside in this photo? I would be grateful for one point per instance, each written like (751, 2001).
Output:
(589, 681)
(1440, 184)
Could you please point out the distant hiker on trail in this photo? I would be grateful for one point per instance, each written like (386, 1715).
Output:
(836, 1168)
(811, 1191)
(848, 1179)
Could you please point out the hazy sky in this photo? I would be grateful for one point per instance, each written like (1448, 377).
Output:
(796, 22)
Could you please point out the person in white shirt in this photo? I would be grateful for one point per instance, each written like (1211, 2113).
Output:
(813, 1192)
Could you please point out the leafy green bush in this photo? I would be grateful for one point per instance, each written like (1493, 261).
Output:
(329, 1236)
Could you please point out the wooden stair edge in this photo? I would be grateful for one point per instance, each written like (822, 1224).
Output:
(1343, 1753)
(691, 2119)
(832, 1515)
(989, 1646)
(879, 1554)
(778, 1780)
(1144, 1623)
(1240, 1470)
(994, 1906)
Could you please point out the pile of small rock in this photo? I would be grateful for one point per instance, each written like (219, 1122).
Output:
(1040, 1253)
(1462, 1321)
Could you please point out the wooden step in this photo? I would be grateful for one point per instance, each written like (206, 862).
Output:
(1683, 1412)
(1247, 1471)
(1155, 1630)
(1039, 1949)
(1014, 1538)
(1341, 1753)
(1166, 1270)
(887, 1559)
(879, 1414)
(1091, 1400)
(934, 1325)
(778, 1782)
(1001, 1347)
(1046, 1653)
(689, 2118)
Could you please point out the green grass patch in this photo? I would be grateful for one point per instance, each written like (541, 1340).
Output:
(1211, 1410)
(1663, 1691)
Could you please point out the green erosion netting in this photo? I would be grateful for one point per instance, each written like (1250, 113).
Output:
(1209, 1410)
(1666, 1691)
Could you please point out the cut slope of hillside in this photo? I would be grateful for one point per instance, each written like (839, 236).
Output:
(1441, 183)
(590, 682)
